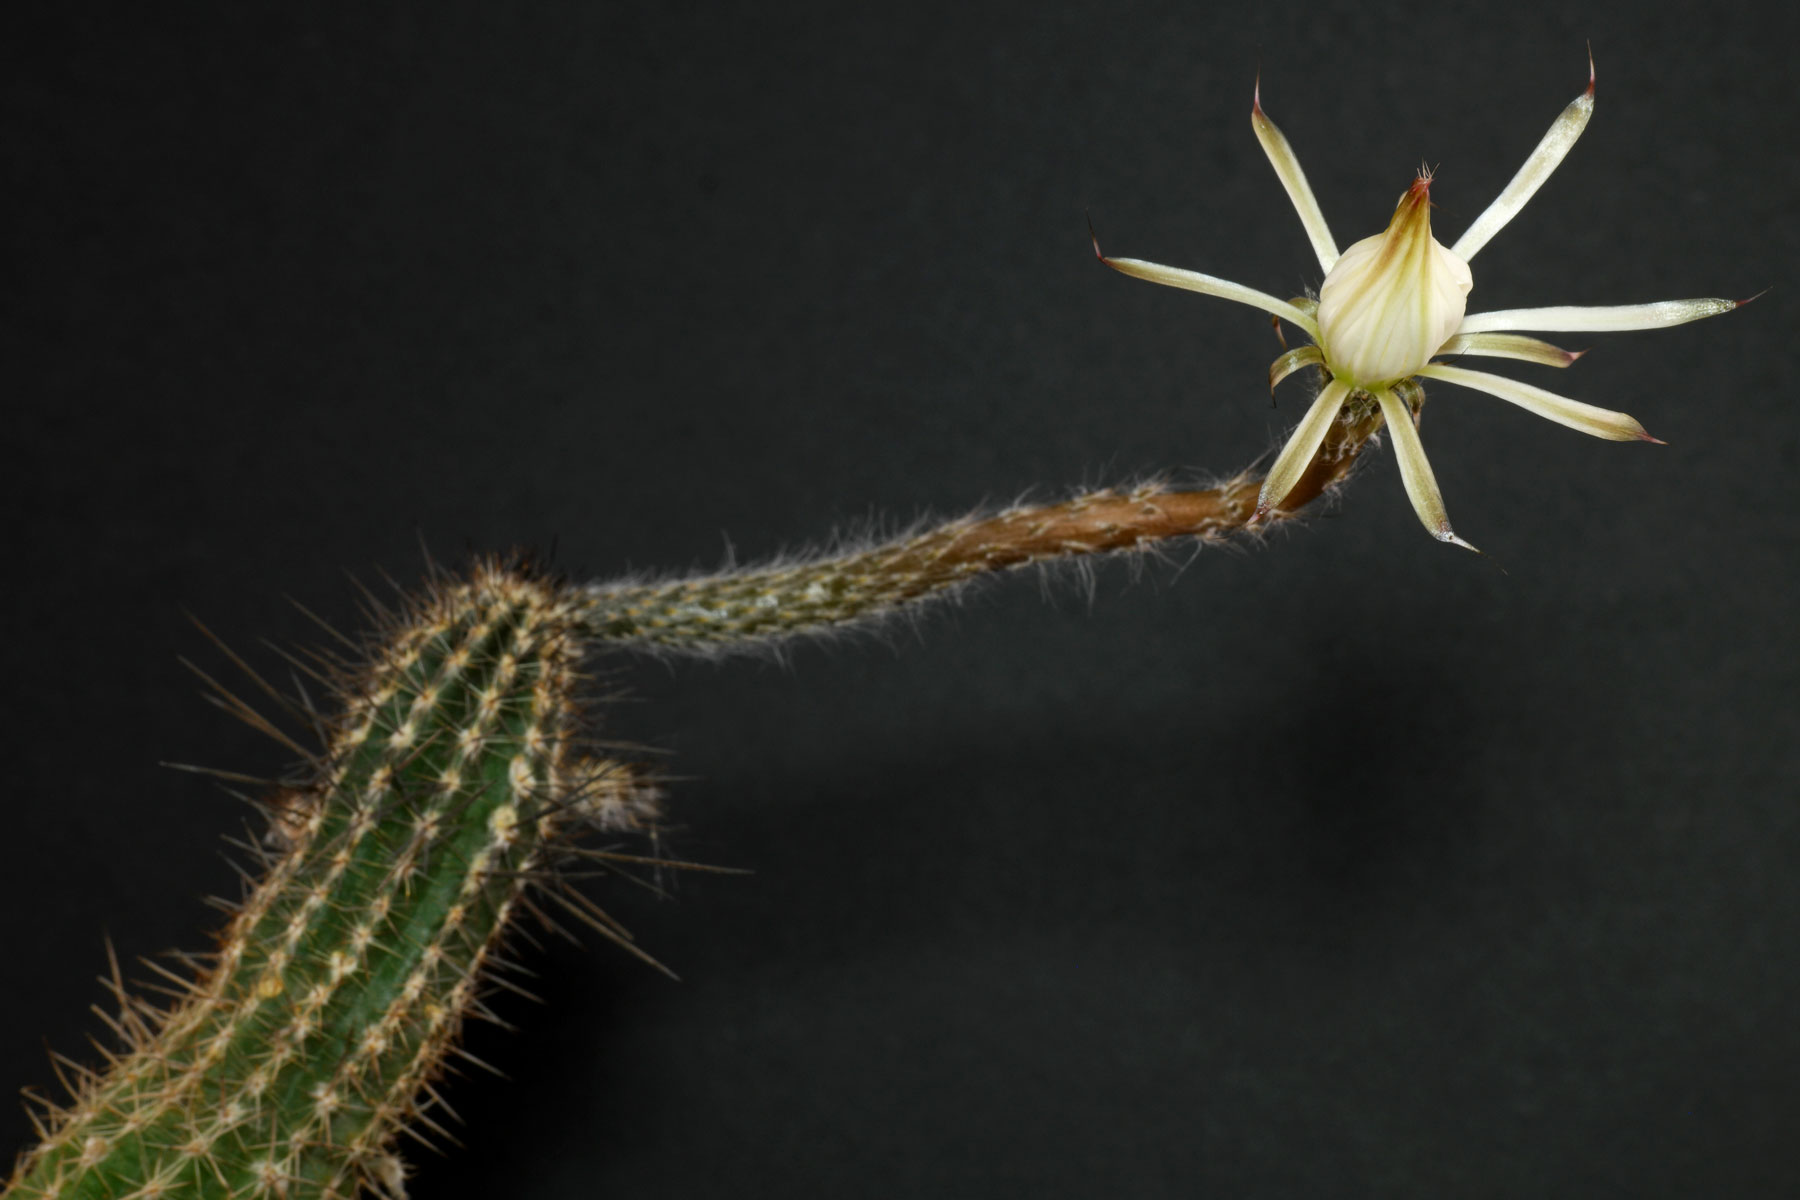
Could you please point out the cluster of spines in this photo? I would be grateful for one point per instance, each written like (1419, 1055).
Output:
(294, 1060)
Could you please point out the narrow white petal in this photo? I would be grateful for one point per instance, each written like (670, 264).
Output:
(1287, 167)
(1510, 345)
(1545, 159)
(1413, 396)
(1415, 469)
(1601, 422)
(1194, 281)
(1605, 318)
(1293, 360)
(1297, 455)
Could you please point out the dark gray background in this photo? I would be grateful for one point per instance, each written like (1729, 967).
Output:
(1347, 866)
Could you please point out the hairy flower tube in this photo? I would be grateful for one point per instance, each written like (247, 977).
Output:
(1393, 305)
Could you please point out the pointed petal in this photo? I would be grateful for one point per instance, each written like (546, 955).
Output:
(1292, 361)
(1297, 455)
(1546, 158)
(1604, 318)
(1601, 422)
(1415, 469)
(1194, 281)
(1510, 345)
(1287, 167)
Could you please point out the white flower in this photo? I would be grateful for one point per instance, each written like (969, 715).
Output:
(1394, 303)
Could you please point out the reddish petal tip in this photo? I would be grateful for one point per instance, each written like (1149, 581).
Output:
(1094, 238)
(1645, 437)
(1590, 86)
(1575, 354)
(1758, 296)
(1256, 97)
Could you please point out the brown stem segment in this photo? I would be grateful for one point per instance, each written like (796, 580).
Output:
(749, 608)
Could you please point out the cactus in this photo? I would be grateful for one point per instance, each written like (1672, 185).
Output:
(453, 781)
(340, 985)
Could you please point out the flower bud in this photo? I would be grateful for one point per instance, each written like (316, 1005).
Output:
(1391, 300)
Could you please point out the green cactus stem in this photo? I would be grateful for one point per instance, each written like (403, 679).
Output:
(341, 984)
(451, 785)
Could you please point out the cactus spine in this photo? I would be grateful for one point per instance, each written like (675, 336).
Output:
(450, 786)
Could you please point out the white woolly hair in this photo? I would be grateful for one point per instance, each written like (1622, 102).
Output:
(1075, 568)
